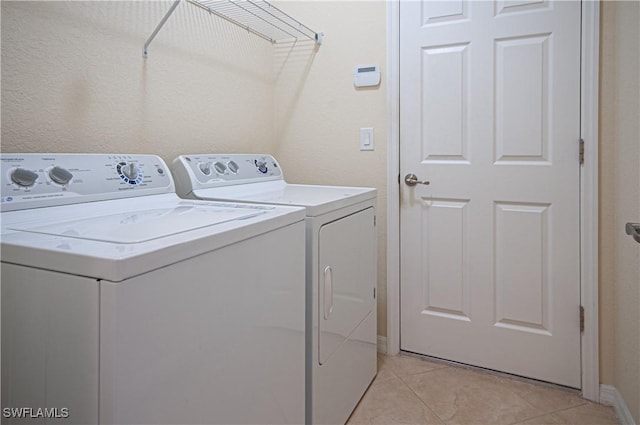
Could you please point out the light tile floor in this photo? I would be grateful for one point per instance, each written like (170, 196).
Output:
(410, 390)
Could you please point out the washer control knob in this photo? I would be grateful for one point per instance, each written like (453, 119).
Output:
(24, 178)
(233, 167)
(220, 167)
(262, 165)
(60, 175)
(205, 167)
(130, 171)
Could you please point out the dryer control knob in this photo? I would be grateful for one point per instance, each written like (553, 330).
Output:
(220, 167)
(23, 177)
(60, 175)
(262, 165)
(233, 167)
(205, 167)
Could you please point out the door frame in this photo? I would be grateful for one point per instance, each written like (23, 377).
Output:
(590, 42)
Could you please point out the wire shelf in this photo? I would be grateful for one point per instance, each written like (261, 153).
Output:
(256, 16)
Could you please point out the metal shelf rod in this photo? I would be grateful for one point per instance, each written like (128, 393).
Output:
(256, 16)
(229, 19)
(263, 19)
(282, 20)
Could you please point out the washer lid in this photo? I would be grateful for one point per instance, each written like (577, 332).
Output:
(117, 239)
(140, 226)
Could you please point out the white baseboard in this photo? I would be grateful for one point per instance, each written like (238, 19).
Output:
(382, 345)
(610, 396)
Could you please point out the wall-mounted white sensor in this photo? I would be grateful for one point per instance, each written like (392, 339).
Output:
(366, 75)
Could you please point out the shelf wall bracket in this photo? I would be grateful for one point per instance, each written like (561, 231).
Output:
(145, 52)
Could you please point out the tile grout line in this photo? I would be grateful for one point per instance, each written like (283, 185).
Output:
(515, 394)
(420, 398)
(523, 397)
(390, 369)
(550, 413)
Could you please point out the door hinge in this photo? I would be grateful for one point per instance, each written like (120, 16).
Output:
(374, 221)
(398, 178)
(374, 293)
(581, 152)
(581, 319)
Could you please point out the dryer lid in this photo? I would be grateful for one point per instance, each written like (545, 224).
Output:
(316, 199)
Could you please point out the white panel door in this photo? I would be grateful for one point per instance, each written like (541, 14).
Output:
(490, 108)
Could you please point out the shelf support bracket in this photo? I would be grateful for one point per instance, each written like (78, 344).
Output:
(145, 53)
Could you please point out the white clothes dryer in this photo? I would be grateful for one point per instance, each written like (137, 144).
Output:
(124, 304)
(341, 269)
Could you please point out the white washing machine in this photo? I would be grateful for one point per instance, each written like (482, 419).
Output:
(341, 269)
(124, 304)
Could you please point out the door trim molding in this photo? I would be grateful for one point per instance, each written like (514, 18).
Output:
(590, 60)
(393, 173)
(588, 189)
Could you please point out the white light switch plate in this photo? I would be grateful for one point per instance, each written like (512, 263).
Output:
(367, 142)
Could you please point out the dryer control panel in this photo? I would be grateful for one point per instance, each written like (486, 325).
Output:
(38, 180)
(201, 171)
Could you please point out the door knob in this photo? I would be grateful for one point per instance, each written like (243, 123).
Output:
(633, 230)
(412, 180)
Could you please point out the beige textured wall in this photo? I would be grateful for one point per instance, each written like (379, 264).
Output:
(73, 79)
(620, 199)
(319, 112)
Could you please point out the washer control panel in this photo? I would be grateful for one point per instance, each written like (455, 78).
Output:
(214, 170)
(36, 180)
